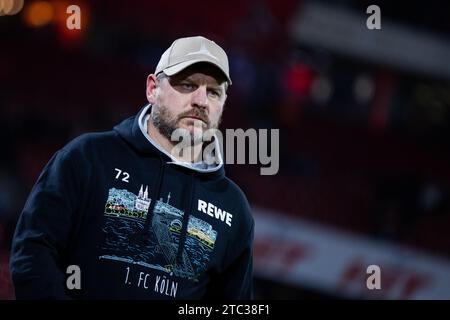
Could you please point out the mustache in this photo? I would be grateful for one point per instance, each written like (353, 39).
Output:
(196, 113)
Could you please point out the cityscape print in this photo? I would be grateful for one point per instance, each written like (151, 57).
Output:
(158, 247)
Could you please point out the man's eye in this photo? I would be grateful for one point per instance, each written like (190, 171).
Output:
(214, 93)
(187, 86)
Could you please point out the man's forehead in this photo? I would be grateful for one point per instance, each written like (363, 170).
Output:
(201, 71)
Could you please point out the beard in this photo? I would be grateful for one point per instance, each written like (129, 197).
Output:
(166, 123)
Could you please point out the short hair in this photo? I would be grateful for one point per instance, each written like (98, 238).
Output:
(161, 76)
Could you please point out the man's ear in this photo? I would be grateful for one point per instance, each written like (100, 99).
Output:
(151, 88)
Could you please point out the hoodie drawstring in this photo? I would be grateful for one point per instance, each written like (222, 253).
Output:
(156, 193)
(187, 207)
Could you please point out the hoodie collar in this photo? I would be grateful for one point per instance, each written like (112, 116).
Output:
(141, 140)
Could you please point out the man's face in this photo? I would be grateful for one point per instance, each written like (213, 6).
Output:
(192, 100)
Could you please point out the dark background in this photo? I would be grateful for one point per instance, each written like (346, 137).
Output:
(364, 142)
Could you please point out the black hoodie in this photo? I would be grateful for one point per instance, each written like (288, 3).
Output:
(138, 224)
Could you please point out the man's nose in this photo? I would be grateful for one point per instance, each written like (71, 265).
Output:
(200, 97)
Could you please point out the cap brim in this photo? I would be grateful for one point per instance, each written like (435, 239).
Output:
(170, 71)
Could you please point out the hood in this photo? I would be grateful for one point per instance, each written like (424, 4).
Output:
(134, 131)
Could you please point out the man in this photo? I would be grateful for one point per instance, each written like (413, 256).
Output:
(123, 215)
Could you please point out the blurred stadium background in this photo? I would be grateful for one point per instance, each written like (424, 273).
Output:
(364, 119)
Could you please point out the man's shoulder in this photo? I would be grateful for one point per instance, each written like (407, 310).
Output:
(236, 189)
(89, 140)
(87, 144)
(239, 195)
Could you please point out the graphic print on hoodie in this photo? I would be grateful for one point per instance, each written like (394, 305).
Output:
(125, 215)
